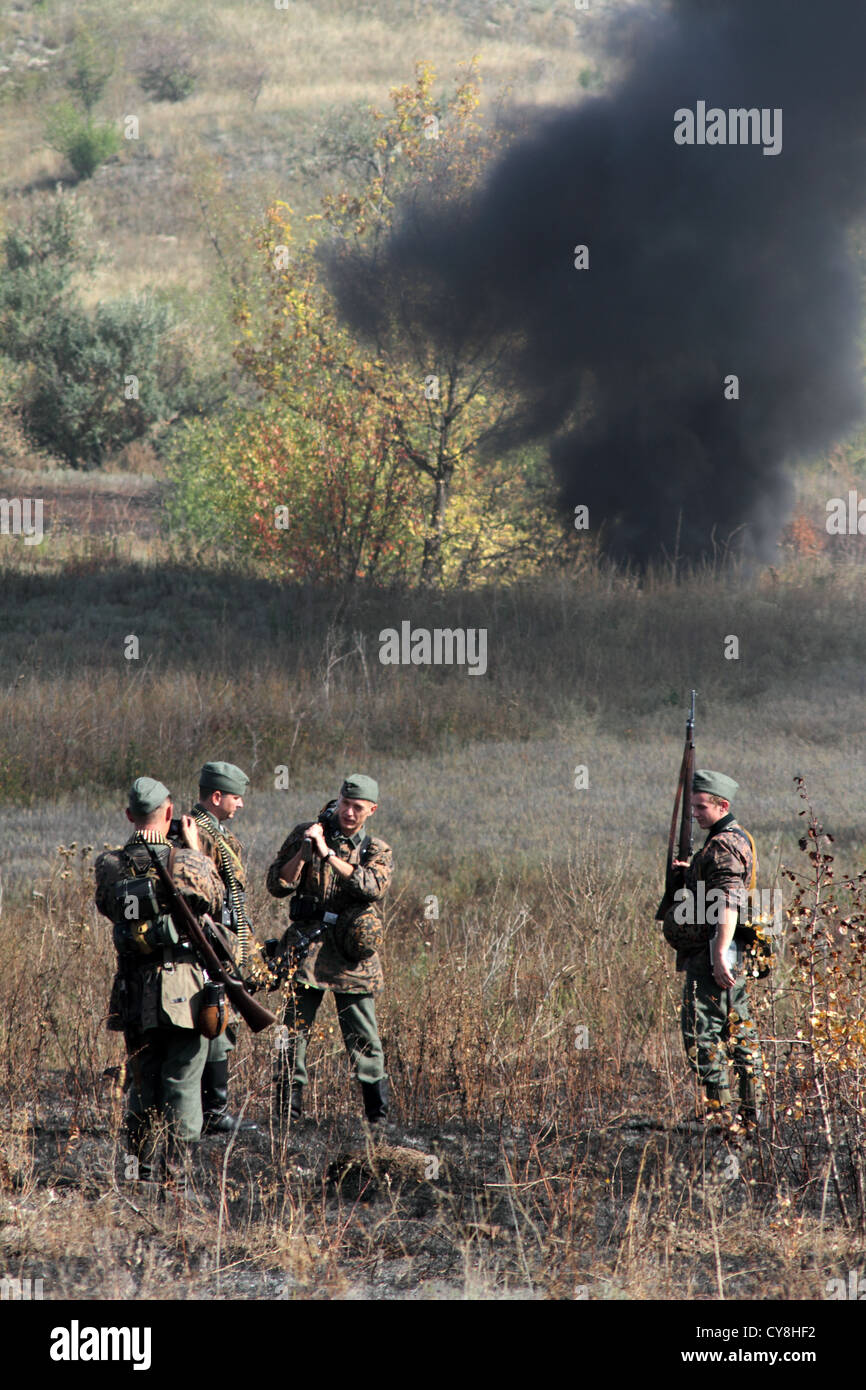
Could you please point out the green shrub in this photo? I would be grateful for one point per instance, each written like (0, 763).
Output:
(39, 257)
(164, 68)
(87, 65)
(83, 142)
(85, 385)
(105, 380)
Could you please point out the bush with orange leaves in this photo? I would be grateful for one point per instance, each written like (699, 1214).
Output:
(821, 1093)
(802, 536)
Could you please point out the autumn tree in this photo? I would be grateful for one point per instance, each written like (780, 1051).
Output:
(425, 419)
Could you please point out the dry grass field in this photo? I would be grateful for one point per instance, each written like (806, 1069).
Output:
(563, 1171)
(531, 1022)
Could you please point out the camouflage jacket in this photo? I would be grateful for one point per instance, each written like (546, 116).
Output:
(724, 865)
(209, 833)
(160, 987)
(326, 966)
(226, 852)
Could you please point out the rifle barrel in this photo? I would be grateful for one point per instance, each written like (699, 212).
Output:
(682, 801)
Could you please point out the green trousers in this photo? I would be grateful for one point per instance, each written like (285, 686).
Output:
(356, 1014)
(166, 1065)
(219, 1048)
(715, 1020)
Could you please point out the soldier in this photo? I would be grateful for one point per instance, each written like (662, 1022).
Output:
(715, 1003)
(346, 873)
(220, 795)
(157, 990)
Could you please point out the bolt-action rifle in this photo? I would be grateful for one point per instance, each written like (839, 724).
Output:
(674, 877)
(255, 1015)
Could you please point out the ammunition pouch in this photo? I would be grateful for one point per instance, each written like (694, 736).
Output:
(231, 912)
(305, 909)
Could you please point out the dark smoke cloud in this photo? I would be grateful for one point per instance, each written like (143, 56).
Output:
(704, 261)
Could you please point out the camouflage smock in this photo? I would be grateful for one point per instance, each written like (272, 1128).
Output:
(724, 863)
(161, 989)
(209, 832)
(327, 966)
(226, 852)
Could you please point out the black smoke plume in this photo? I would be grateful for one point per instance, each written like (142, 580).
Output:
(704, 261)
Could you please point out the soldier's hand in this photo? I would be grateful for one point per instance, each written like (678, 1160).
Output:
(189, 829)
(316, 835)
(680, 863)
(721, 974)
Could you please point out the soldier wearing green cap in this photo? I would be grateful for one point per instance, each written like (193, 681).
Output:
(333, 895)
(221, 790)
(157, 990)
(715, 1007)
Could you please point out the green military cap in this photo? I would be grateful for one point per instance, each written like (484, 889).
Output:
(146, 795)
(223, 777)
(715, 784)
(360, 788)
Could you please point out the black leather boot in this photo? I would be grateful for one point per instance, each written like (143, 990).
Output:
(214, 1101)
(376, 1096)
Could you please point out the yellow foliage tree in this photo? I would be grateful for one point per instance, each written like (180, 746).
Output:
(425, 418)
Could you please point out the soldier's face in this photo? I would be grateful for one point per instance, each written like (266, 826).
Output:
(352, 814)
(706, 812)
(224, 804)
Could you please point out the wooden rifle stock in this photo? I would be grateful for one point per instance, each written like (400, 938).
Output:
(255, 1015)
(685, 794)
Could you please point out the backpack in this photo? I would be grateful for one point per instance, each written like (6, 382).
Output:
(141, 924)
